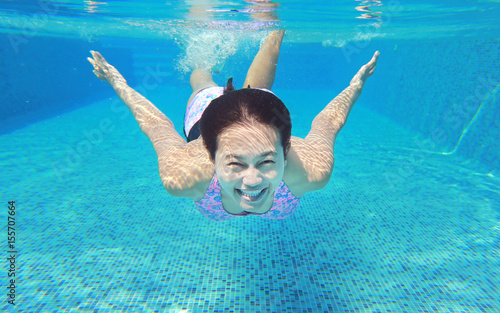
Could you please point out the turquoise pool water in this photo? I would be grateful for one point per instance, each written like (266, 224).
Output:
(408, 223)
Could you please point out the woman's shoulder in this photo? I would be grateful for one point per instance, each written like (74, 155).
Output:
(308, 167)
(190, 171)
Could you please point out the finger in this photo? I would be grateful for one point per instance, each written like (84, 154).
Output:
(99, 56)
(91, 61)
(98, 74)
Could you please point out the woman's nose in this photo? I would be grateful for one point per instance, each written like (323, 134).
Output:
(252, 177)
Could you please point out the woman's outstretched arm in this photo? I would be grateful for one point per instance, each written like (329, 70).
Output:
(330, 121)
(181, 165)
(313, 157)
(152, 121)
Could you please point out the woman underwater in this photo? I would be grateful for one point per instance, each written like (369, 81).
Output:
(240, 158)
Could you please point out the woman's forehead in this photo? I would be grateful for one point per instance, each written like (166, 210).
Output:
(254, 140)
(250, 130)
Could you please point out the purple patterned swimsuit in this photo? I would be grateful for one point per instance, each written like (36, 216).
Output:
(198, 105)
(285, 203)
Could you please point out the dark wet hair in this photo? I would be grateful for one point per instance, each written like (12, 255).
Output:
(240, 106)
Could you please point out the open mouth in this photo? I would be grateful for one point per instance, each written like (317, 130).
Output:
(252, 196)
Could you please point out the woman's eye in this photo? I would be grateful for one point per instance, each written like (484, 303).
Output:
(268, 162)
(239, 164)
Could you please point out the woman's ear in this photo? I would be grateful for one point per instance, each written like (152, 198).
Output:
(286, 151)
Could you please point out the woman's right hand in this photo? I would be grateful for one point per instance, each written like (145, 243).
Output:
(105, 71)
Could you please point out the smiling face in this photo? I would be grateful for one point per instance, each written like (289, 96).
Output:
(249, 163)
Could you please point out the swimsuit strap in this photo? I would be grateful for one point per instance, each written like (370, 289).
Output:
(211, 203)
(285, 203)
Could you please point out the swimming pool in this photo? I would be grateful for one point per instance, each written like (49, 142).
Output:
(408, 223)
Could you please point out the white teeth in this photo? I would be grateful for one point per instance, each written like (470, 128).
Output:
(251, 194)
